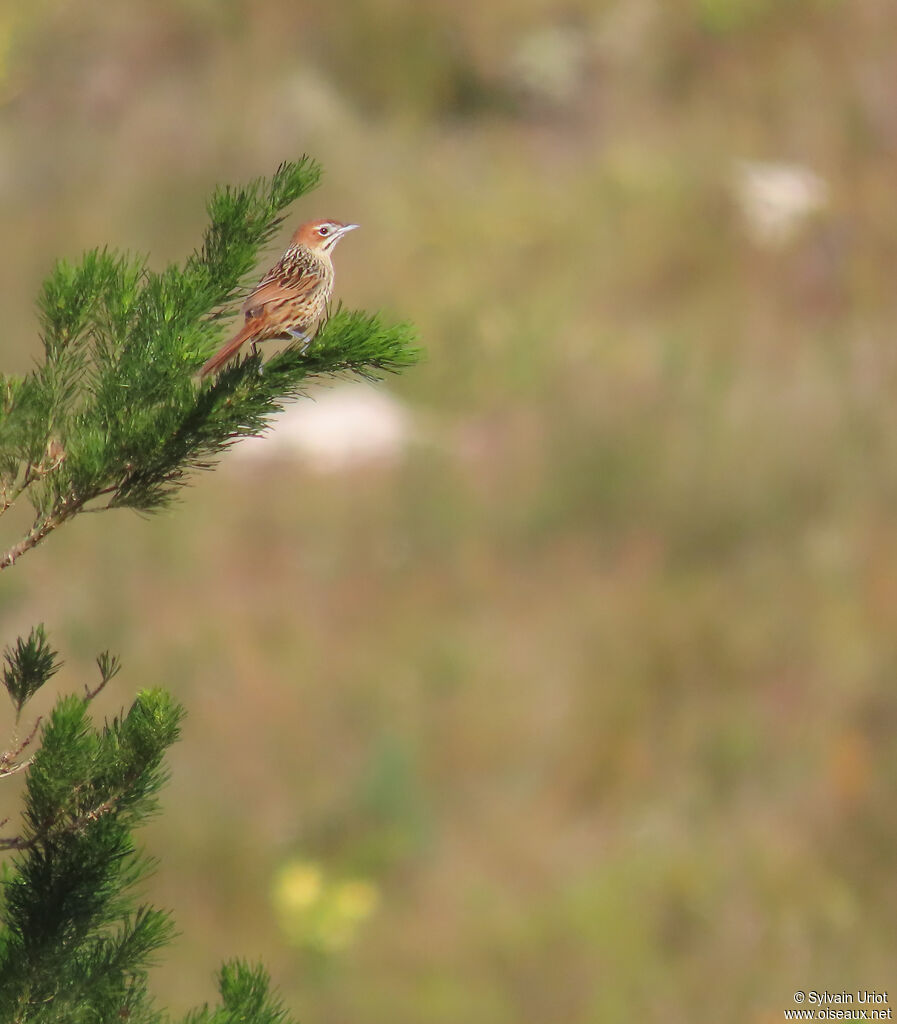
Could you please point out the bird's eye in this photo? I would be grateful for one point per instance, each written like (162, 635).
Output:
(324, 230)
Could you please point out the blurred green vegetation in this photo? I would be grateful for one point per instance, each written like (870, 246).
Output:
(595, 686)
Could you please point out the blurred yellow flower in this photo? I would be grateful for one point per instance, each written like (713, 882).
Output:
(298, 885)
(320, 915)
(356, 899)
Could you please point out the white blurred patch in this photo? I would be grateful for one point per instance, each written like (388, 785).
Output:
(548, 65)
(776, 198)
(335, 429)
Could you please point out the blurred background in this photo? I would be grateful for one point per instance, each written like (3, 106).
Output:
(553, 681)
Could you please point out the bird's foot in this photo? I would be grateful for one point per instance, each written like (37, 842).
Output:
(303, 337)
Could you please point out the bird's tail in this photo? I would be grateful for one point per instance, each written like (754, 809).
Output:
(231, 348)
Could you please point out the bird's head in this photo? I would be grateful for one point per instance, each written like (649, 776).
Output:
(321, 235)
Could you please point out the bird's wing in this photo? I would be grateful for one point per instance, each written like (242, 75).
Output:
(275, 289)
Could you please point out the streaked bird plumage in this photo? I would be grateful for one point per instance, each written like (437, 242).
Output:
(292, 299)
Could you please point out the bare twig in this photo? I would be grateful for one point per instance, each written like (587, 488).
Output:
(9, 760)
(98, 689)
(34, 536)
(16, 843)
(109, 667)
(14, 769)
(42, 527)
(10, 498)
(53, 459)
(74, 825)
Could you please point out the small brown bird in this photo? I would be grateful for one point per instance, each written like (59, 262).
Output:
(292, 298)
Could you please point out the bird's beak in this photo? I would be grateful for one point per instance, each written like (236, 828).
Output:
(348, 227)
